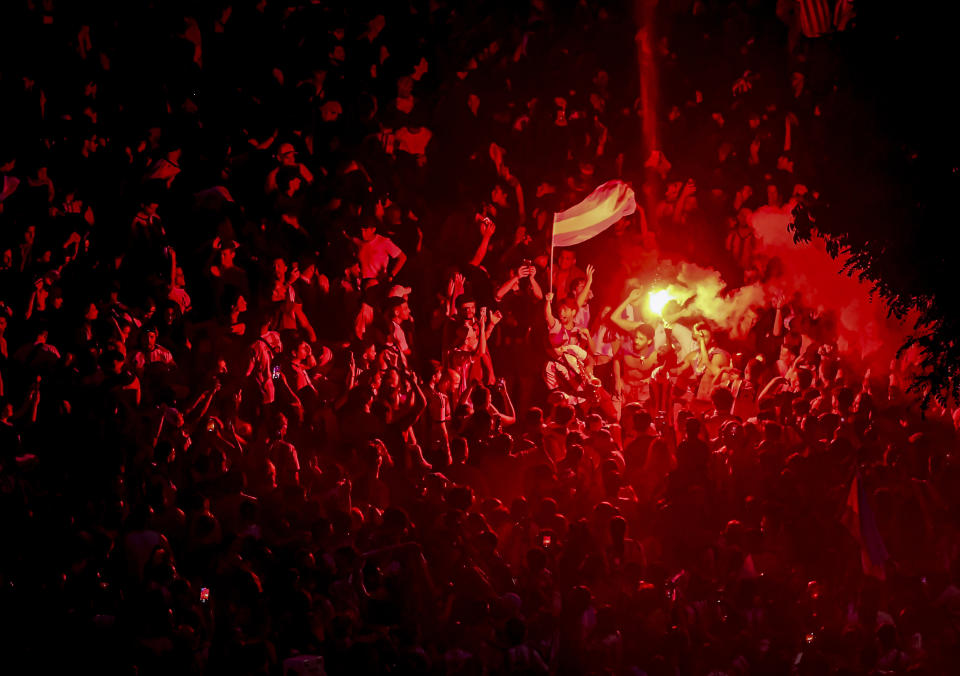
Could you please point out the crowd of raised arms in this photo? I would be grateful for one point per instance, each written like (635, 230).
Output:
(286, 369)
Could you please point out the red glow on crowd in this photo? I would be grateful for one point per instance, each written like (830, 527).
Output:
(450, 338)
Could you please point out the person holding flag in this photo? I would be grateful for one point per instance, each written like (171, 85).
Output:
(603, 207)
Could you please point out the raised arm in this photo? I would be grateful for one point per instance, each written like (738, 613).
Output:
(495, 317)
(512, 284)
(454, 290)
(771, 388)
(508, 417)
(548, 311)
(482, 347)
(201, 404)
(617, 315)
(262, 145)
(778, 319)
(534, 285)
(585, 293)
(487, 228)
(436, 411)
(417, 406)
(349, 384)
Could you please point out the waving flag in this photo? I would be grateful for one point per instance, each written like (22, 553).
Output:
(862, 524)
(816, 19)
(606, 205)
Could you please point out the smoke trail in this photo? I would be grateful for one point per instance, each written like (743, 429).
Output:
(807, 273)
(706, 293)
(643, 13)
(864, 330)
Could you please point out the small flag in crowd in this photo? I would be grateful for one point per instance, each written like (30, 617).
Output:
(860, 520)
(816, 19)
(606, 205)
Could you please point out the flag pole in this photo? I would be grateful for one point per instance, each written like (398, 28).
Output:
(553, 224)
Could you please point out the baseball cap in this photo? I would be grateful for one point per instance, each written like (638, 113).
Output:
(399, 291)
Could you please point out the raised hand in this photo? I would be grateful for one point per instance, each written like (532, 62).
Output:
(742, 84)
(455, 285)
(487, 227)
(495, 317)
(590, 271)
(390, 357)
(549, 296)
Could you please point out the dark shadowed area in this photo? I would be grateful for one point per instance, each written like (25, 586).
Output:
(478, 338)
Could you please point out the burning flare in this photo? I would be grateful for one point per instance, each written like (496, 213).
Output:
(658, 299)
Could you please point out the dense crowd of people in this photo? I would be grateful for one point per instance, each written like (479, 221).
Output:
(287, 371)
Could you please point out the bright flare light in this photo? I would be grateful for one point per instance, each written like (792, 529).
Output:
(658, 299)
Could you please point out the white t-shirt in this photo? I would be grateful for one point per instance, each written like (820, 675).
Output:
(158, 355)
(375, 255)
(399, 338)
(582, 319)
(682, 335)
